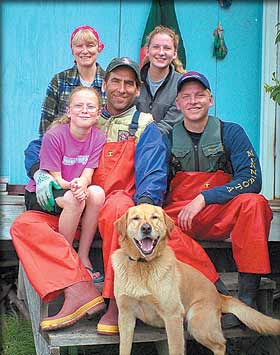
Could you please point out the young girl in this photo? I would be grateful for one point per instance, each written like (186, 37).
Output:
(160, 72)
(70, 152)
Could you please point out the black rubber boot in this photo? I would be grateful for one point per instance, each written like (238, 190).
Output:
(248, 288)
(228, 320)
(248, 285)
(221, 287)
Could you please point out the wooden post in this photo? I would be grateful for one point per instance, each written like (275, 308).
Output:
(37, 310)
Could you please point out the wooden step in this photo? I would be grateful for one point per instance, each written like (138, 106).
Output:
(84, 332)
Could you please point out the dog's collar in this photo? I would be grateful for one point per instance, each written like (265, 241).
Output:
(141, 260)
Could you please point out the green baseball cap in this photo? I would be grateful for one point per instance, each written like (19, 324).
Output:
(125, 62)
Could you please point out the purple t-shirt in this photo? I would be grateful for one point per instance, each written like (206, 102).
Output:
(61, 152)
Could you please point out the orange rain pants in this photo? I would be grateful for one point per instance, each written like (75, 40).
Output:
(117, 163)
(50, 262)
(246, 219)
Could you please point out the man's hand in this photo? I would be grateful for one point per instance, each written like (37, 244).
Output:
(45, 184)
(187, 214)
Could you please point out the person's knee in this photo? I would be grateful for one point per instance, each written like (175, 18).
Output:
(29, 217)
(252, 199)
(15, 227)
(255, 203)
(97, 195)
(23, 221)
(71, 202)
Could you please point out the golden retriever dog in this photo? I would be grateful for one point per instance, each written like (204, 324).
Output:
(153, 286)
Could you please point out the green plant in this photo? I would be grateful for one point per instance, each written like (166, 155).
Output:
(274, 90)
(17, 337)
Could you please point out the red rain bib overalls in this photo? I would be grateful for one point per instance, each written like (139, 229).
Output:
(245, 219)
(52, 264)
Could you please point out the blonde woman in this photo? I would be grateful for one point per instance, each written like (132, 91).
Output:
(85, 46)
(160, 73)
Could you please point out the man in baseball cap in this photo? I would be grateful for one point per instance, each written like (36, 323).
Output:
(136, 149)
(215, 185)
(125, 62)
(193, 76)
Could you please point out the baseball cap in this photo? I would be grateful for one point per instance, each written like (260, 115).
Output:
(192, 75)
(125, 62)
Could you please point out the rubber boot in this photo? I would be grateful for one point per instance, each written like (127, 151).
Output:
(221, 287)
(248, 285)
(108, 324)
(80, 299)
(228, 320)
(248, 288)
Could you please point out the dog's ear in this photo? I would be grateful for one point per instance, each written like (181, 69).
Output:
(169, 223)
(120, 225)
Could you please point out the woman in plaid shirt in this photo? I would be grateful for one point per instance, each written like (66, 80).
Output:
(85, 46)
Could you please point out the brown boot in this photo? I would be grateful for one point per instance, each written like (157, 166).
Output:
(108, 324)
(79, 299)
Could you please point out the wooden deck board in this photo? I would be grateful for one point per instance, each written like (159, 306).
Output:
(84, 334)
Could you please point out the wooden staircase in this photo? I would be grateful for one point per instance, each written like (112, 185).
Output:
(84, 332)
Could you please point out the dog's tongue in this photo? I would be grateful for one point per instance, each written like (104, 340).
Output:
(147, 245)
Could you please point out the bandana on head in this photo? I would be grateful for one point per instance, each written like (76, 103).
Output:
(92, 30)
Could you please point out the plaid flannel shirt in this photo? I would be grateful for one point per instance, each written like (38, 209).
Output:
(58, 90)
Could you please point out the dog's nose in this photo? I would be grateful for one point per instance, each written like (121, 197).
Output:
(146, 228)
